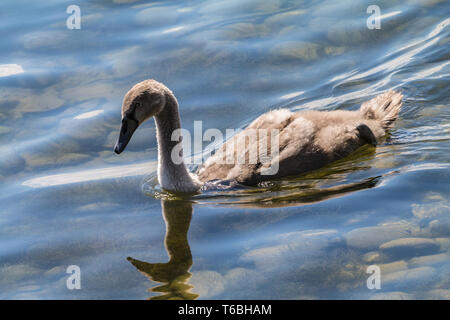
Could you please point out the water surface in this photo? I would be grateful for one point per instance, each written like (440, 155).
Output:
(67, 199)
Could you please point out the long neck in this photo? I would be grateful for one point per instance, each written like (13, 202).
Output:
(172, 176)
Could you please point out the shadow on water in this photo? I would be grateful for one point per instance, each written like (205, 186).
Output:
(328, 182)
(173, 275)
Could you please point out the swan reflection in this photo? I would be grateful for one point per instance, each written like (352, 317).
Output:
(172, 275)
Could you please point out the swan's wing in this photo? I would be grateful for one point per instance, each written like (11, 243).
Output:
(339, 141)
(240, 156)
(304, 146)
(266, 149)
(296, 153)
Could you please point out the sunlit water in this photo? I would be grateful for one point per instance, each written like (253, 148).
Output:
(67, 199)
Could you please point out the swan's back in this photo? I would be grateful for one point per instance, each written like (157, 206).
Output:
(308, 140)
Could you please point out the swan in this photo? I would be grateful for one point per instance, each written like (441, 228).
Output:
(307, 140)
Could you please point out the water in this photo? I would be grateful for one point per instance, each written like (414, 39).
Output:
(67, 199)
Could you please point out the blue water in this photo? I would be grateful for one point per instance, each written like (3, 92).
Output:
(67, 199)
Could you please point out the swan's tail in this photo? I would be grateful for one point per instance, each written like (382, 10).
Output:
(384, 108)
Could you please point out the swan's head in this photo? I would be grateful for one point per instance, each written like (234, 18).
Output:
(146, 99)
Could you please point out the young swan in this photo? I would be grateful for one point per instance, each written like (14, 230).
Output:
(152, 99)
(307, 140)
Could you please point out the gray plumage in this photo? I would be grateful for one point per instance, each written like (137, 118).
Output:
(308, 140)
